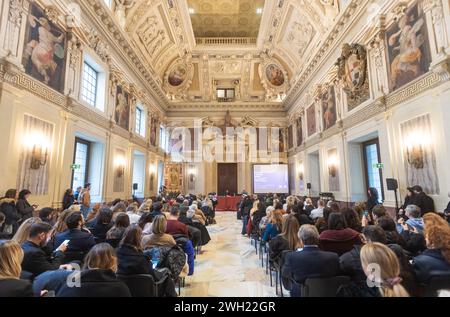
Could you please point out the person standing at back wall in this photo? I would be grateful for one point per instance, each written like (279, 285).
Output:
(85, 200)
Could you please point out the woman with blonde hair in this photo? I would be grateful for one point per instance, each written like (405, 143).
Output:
(254, 208)
(274, 226)
(381, 266)
(24, 230)
(436, 258)
(11, 256)
(159, 236)
(98, 277)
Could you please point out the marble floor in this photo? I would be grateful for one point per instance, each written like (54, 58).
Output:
(228, 265)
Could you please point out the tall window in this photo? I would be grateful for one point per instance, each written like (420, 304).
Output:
(108, 3)
(163, 139)
(81, 163)
(140, 121)
(225, 94)
(374, 175)
(89, 85)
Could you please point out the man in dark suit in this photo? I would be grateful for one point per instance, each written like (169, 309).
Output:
(308, 262)
(80, 241)
(35, 260)
(423, 201)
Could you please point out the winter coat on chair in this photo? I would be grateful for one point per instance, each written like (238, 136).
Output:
(339, 241)
(172, 258)
(12, 217)
(188, 248)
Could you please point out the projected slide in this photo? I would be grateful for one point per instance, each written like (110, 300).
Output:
(270, 179)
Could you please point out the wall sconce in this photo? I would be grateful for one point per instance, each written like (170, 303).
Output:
(120, 166)
(39, 150)
(416, 146)
(152, 171)
(332, 166)
(191, 173)
(301, 171)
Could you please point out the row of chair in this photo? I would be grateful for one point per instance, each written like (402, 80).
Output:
(328, 287)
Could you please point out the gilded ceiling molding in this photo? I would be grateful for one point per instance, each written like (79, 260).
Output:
(96, 11)
(315, 62)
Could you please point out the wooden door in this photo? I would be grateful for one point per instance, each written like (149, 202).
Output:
(227, 178)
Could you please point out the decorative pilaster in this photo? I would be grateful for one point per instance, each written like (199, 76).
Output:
(13, 30)
(73, 68)
(437, 30)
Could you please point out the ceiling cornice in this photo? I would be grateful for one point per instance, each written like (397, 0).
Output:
(335, 33)
(116, 37)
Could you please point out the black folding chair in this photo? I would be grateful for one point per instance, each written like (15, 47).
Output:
(141, 285)
(323, 287)
(438, 281)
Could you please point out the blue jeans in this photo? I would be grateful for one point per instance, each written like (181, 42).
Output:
(244, 224)
(85, 211)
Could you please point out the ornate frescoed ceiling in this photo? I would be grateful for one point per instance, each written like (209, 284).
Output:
(284, 34)
(227, 18)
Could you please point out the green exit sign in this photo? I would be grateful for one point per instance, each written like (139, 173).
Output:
(378, 165)
(75, 166)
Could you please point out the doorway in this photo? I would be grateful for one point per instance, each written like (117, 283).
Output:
(372, 168)
(314, 174)
(138, 174)
(227, 178)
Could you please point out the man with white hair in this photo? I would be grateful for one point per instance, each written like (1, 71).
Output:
(414, 222)
(308, 261)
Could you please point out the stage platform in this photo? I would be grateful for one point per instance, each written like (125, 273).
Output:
(227, 203)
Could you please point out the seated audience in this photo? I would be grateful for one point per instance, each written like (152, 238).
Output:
(8, 208)
(287, 240)
(309, 261)
(274, 226)
(131, 259)
(350, 262)
(390, 229)
(378, 211)
(134, 214)
(46, 215)
(195, 234)
(3, 235)
(159, 236)
(80, 240)
(265, 220)
(23, 206)
(145, 222)
(103, 223)
(436, 258)
(145, 207)
(322, 223)
(387, 276)
(116, 209)
(338, 237)
(414, 222)
(11, 256)
(98, 277)
(115, 234)
(157, 209)
(409, 200)
(23, 232)
(352, 219)
(36, 260)
(68, 199)
(318, 212)
(174, 226)
(93, 214)
(308, 207)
